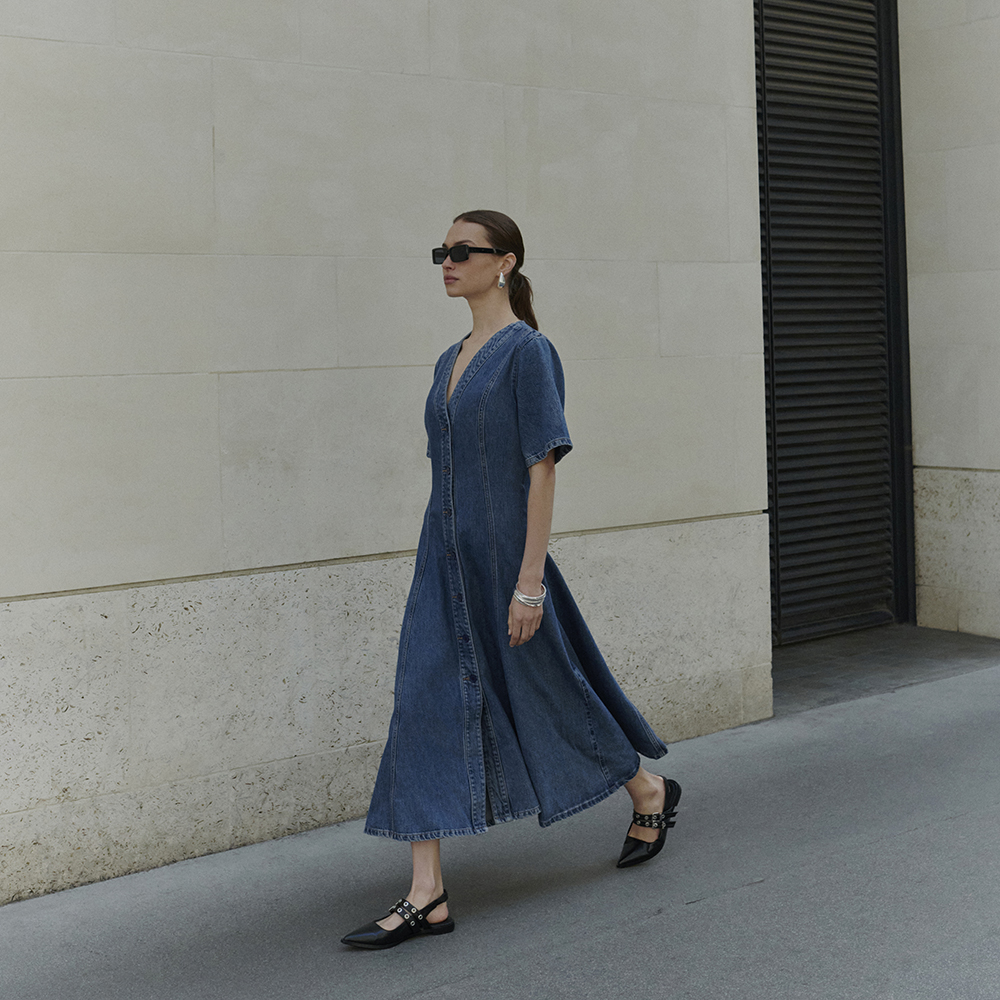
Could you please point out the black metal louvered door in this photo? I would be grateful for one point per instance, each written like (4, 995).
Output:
(834, 316)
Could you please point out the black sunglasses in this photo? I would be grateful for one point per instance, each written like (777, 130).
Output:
(460, 252)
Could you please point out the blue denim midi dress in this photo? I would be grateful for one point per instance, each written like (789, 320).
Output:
(482, 732)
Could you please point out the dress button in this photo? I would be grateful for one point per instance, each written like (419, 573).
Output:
(447, 468)
(446, 512)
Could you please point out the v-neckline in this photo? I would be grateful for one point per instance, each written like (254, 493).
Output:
(449, 396)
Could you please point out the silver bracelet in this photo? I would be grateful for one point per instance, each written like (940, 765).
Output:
(530, 602)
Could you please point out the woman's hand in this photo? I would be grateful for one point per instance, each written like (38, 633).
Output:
(522, 621)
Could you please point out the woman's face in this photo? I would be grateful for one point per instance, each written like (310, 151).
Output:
(478, 274)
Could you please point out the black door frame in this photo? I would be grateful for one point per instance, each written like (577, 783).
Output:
(897, 317)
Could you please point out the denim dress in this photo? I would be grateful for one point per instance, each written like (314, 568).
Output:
(482, 732)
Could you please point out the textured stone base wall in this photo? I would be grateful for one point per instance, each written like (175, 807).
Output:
(146, 725)
(957, 514)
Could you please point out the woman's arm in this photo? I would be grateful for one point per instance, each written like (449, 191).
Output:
(522, 621)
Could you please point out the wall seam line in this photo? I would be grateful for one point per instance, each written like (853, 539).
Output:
(345, 560)
(952, 468)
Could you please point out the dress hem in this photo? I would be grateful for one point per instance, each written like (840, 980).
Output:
(573, 810)
(475, 831)
(467, 831)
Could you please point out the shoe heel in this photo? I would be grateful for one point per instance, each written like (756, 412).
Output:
(445, 926)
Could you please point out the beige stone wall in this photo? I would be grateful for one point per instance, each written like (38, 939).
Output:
(950, 67)
(219, 319)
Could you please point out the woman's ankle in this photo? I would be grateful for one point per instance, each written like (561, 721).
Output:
(643, 787)
(423, 893)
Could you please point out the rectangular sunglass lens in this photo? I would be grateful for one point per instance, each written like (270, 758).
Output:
(438, 255)
(459, 253)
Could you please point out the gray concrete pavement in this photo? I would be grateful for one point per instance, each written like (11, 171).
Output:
(845, 851)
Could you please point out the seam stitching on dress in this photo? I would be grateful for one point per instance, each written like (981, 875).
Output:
(418, 580)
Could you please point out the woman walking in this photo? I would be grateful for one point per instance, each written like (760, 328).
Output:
(504, 706)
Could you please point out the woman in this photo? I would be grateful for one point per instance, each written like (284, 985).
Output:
(504, 706)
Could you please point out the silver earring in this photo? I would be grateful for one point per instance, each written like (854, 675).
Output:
(501, 282)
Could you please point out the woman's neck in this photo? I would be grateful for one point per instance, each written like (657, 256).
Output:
(490, 314)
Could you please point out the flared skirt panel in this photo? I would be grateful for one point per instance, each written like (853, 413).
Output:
(510, 732)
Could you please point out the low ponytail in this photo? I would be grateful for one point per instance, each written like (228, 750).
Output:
(504, 235)
(520, 298)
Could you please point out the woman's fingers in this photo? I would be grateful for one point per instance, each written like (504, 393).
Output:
(522, 622)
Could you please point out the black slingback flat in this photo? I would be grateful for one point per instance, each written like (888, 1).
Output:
(635, 852)
(414, 922)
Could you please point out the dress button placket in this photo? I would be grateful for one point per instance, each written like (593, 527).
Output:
(467, 666)
(463, 629)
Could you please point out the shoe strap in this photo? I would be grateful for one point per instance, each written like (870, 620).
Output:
(661, 820)
(656, 821)
(412, 915)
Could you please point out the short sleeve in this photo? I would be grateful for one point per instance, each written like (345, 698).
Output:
(539, 391)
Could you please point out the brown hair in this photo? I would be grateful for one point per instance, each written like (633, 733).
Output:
(504, 235)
